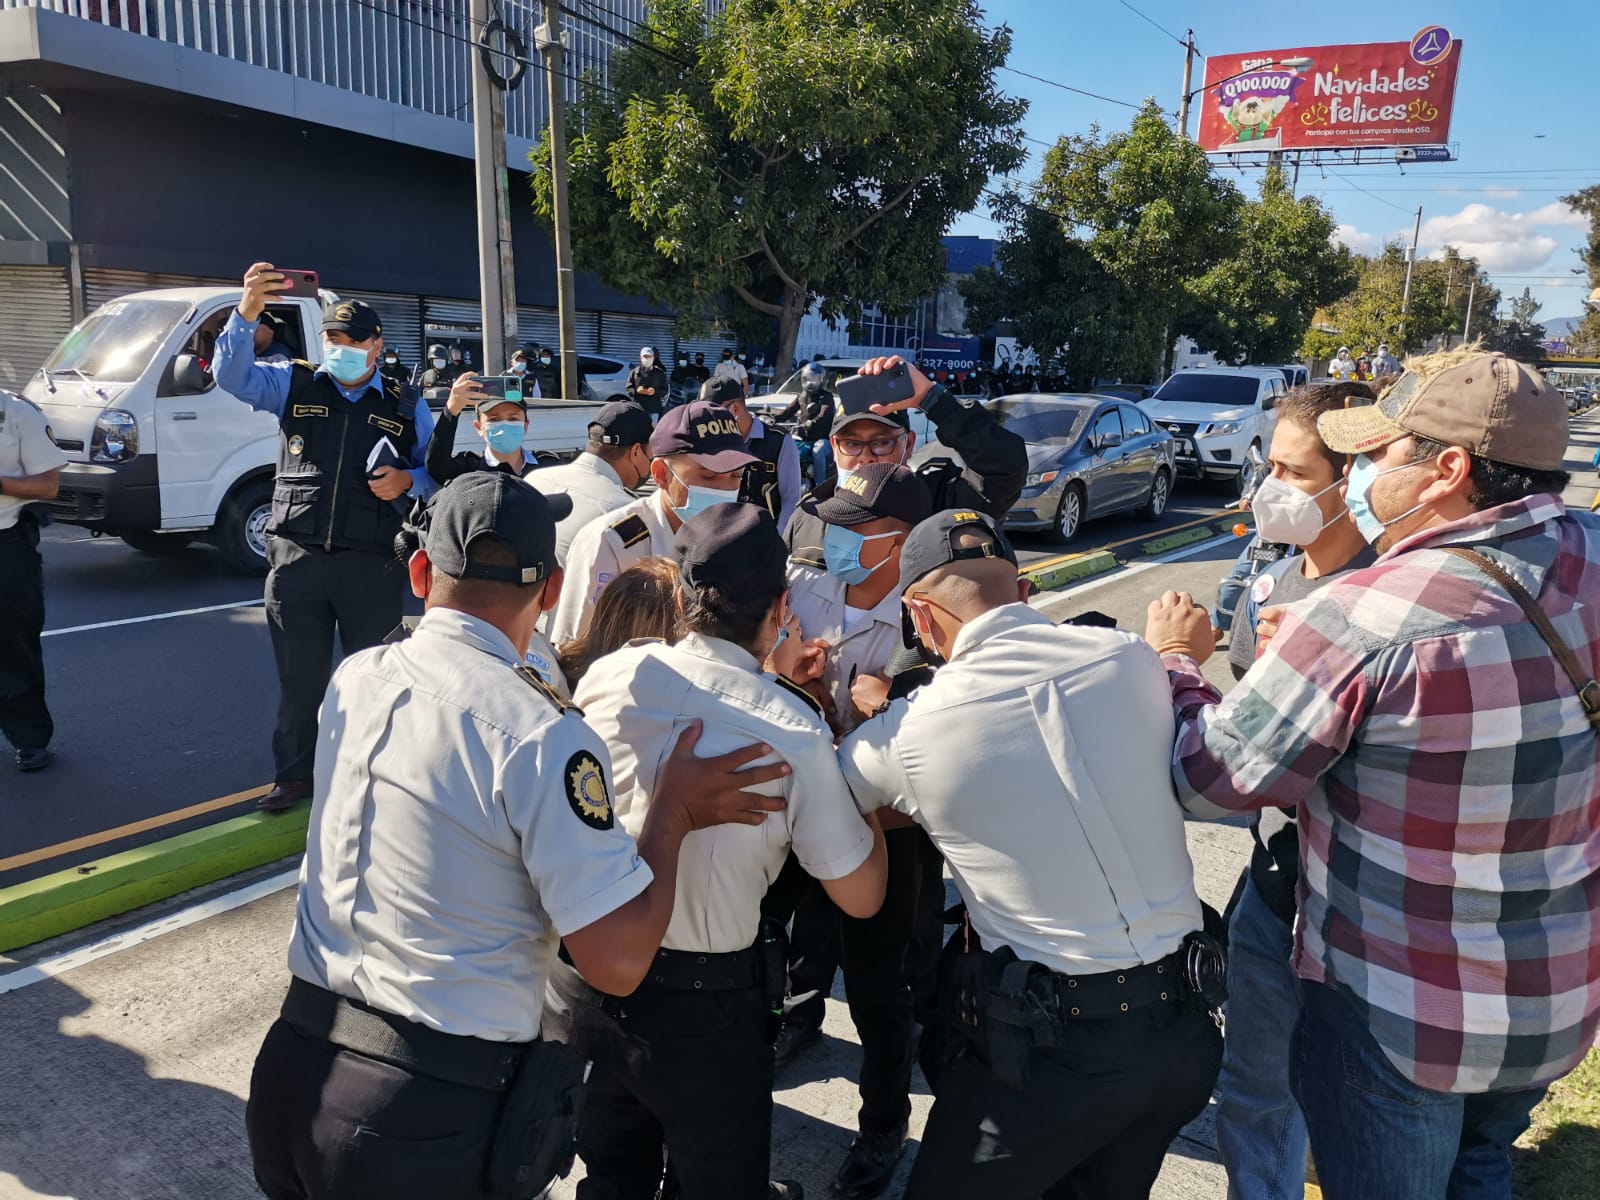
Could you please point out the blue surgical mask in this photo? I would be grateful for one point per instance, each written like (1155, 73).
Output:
(841, 552)
(1358, 491)
(504, 437)
(845, 475)
(347, 364)
(700, 498)
(519, 366)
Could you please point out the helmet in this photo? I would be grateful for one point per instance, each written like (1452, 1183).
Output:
(812, 377)
(436, 350)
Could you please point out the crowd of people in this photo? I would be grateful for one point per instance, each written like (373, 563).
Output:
(590, 839)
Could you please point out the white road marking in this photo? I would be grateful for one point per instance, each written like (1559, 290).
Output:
(62, 963)
(166, 616)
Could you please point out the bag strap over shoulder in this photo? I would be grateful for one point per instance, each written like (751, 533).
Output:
(1588, 689)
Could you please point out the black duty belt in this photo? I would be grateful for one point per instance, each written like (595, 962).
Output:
(691, 971)
(1110, 993)
(13, 533)
(453, 1058)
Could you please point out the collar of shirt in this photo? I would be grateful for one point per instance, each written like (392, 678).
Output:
(354, 394)
(829, 590)
(454, 625)
(993, 623)
(1492, 524)
(719, 650)
(595, 465)
(510, 460)
(757, 429)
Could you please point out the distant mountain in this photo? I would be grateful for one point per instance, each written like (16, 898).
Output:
(1558, 327)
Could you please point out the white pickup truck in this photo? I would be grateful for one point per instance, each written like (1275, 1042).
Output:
(160, 456)
(1221, 420)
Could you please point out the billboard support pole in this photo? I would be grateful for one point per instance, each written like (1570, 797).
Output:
(1188, 76)
(1411, 261)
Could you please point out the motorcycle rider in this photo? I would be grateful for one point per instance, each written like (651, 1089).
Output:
(812, 413)
(439, 372)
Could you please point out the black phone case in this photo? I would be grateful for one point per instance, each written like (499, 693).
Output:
(858, 393)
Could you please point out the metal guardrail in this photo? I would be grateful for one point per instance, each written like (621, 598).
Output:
(413, 53)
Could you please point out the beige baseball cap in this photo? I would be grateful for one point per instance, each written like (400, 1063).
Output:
(1491, 405)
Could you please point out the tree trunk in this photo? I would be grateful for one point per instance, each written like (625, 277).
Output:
(1168, 352)
(795, 304)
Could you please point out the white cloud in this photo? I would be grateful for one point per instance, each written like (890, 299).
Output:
(1502, 242)
(1557, 213)
(1505, 193)
(1357, 240)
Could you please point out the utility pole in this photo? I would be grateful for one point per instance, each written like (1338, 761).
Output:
(1411, 261)
(1472, 294)
(496, 280)
(548, 38)
(1188, 77)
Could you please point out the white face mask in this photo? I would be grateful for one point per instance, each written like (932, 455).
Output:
(1286, 514)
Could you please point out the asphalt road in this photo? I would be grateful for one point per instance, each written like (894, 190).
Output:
(164, 693)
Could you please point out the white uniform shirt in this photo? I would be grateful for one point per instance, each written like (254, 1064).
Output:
(542, 658)
(25, 449)
(640, 699)
(595, 488)
(603, 549)
(864, 648)
(732, 369)
(460, 827)
(1036, 760)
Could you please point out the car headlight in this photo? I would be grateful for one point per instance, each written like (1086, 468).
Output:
(1222, 430)
(1042, 479)
(116, 437)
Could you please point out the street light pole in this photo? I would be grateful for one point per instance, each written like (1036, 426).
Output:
(496, 279)
(1411, 261)
(1188, 76)
(1472, 294)
(550, 45)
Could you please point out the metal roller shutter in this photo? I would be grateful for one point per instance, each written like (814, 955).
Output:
(402, 321)
(541, 326)
(101, 286)
(711, 347)
(623, 333)
(465, 313)
(35, 314)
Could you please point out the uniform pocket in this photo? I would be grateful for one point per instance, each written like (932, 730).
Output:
(294, 508)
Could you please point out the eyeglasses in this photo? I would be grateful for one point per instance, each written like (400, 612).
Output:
(881, 447)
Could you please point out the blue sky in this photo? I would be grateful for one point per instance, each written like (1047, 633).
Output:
(1518, 78)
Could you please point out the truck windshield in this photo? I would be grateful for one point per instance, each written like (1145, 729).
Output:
(117, 341)
(1214, 390)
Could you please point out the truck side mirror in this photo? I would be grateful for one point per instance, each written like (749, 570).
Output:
(189, 378)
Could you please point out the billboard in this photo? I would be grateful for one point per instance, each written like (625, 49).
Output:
(1331, 97)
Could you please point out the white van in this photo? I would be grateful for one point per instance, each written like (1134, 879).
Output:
(160, 456)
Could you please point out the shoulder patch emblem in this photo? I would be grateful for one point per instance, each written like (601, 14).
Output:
(297, 444)
(534, 680)
(805, 697)
(632, 530)
(586, 791)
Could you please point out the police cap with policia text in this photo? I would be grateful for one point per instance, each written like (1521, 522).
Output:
(705, 432)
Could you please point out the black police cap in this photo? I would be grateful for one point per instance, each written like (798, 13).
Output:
(734, 546)
(485, 502)
(621, 423)
(877, 491)
(721, 391)
(932, 544)
(360, 321)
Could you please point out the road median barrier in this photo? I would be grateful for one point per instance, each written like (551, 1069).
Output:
(1055, 575)
(108, 887)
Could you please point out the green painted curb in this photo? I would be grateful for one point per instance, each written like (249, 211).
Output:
(1050, 579)
(79, 896)
(1183, 537)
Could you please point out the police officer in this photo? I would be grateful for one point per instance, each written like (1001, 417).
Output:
(996, 459)
(1085, 1046)
(502, 424)
(439, 372)
(773, 480)
(335, 508)
(605, 477)
(30, 472)
(731, 367)
(269, 343)
(698, 373)
(463, 824)
(647, 383)
(698, 459)
(393, 368)
(693, 1071)
(683, 382)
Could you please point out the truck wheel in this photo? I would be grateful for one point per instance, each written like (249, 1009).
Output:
(241, 533)
(152, 541)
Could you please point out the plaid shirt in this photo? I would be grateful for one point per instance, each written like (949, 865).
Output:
(1446, 781)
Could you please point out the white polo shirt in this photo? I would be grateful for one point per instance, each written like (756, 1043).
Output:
(859, 645)
(461, 825)
(1037, 761)
(595, 488)
(602, 550)
(25, 449)
(639, 700)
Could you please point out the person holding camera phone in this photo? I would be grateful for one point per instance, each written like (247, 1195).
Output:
(502, 423)
(350, 444)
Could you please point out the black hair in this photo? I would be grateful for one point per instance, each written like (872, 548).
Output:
(732, 612)
(1493, 483)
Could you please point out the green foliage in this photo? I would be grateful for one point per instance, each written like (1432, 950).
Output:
(1585, 339)
(1258, 302)
(1151, 210)
(787, 151)
(1520, 334)
(1440, 290)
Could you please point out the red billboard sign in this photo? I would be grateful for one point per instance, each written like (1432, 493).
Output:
(1331, 97)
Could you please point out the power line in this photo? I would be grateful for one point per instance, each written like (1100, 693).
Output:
(1151, 21)
(1374, 195)
(598, 21)
(1066, 87)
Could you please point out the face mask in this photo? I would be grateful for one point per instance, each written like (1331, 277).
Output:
(683, 362)
(1358, 492)
(520, 366)
(845, 475)
(841, 552)
(391, 360)
(783, 636)
(347, 364)
(545, 361)
(700, 498)
(438, 364)
(913, 641)
(1286, 514)
(504, 437)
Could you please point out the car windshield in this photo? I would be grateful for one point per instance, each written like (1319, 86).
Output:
(791, 386)
(1213, 390)
(1051, 424)
(117, 341)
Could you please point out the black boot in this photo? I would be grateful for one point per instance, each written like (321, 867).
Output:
(870, 1164)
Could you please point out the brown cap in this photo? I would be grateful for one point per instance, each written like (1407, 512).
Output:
(1490, 405)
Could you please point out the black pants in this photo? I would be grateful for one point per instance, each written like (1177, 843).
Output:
(329, 1124)
(888, 959)
(1093, 1121)
(312, 593)
(24, 719)
(690, 1079)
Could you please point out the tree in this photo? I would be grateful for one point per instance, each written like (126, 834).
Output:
(1520, 335)
(784, 152)
(1153, 213)
(1058, 300)
(1440, 290)
(1585, 339)
(1259, 301)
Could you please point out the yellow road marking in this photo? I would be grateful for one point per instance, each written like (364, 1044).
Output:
(110, 835)
(1153, 535)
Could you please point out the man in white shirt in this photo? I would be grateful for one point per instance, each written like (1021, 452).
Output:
(732, 368)
(1037, 761)
(1343, 367)
(604, 477)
